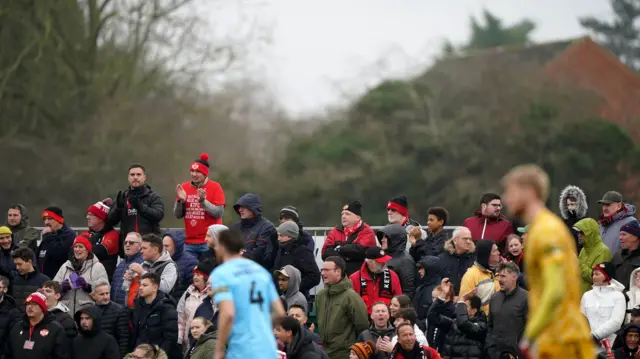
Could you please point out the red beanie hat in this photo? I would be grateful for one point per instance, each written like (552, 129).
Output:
(82, 239)
(201, 164)
(39, 299)
(100, 209)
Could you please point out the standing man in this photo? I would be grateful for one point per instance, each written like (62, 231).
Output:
(25, 280)
(104, 239)
(156, 260)
(132, 247)
(488, 222)
(615, 215)
(92, 338)
(138, 208)
(114, 317)
(247, 300)
(9, 313)
(398, 213)
(57, 240)
(201, 203)
(260, 237)
(23, 234)
(555, 328)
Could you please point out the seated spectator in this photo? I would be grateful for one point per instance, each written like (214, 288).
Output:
(288, 285)
(380, 331)
(441, 313)
(292, 251)
(6, 246)
(467, 335)
(299, 313)
(173, 243)
(79, 273)
(374, 281)
(291, 214)
(350, 239)
(24, 236)
(92, 338)
(409, 345)
(125, 295)
(298, 343)
(459, 255)
(190, 301)
(61, 313)
(398, 302)
(408, 315)
(481, 275)
(204, 336)
(593, 250)
(604, 305)
(429, 271)
(433, 244)
(628, 257)
(393, 240)
(260, 237)
(25, 280)
(56, 244)
(147, 351)
(104, 239)
(362, 350)
(631, 337)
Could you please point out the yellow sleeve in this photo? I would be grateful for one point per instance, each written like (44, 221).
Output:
(466, 284)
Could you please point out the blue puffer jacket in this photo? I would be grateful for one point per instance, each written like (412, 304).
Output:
(117, 294)
(185, 261)
(260, 237)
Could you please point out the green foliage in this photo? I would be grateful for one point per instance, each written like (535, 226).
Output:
(493, 33)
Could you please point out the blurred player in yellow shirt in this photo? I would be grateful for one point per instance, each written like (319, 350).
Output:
(555, 328)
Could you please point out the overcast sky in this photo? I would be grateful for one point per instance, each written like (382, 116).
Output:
(324, 50)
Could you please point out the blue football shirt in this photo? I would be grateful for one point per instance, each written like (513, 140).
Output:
(252, 291)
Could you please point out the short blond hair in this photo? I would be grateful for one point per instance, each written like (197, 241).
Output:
(531, 176)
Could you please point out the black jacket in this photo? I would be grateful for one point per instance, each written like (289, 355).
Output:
(49, 339)
(95, 341)
(100, 250)
(260, 236)
(54, 250)
(157, 324)
(298, 255)
(433, 245)
(61, 316)
(625, 262)
(423, 298)
(401, 262)
(303, 347)
(9, 316)
(441, 316)
(466, 336)
(137, 210)
(115, 322)
(455, 265)
(507, 319)
(6, 262)
(23, 285)
(373, 335)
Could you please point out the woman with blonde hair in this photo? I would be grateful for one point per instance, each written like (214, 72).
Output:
(205, 336)
(147, 351)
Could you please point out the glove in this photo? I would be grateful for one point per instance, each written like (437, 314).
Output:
(527, 348)
(82, 283)
(65, 286)
(120, 201)
(134, 202)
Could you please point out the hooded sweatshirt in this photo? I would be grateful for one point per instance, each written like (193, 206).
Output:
(185, 262)
(484, 227)
(95, 340)
(260, 237)
(593, 252)
(24, 235)
(604, 307)
(610, 227)
(166, 268)
(401, 262)
(423, 298)
(293, 295)
(480, 275)
(572, 217)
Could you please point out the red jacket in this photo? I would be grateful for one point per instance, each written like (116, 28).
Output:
(351, 249)
(495, 229)
(374, 291)
(196, 219)
(428, 353)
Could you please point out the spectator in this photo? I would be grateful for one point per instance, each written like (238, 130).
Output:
(92, 338)
(375, 282)
(207, 309)
(212, 235)
(292, 251)
(260, 237)
(380, 331)
(488, 222)
(615, 215)
(79, 273)
(298, 343)
(138, 208)
(350, 239)
(288, 284)
(6, 246)
(25, 280)
(398, 213)
(628, 257)
(515, 252)
(593, 250)
(458, 256)
(291, 214)
(508, 311)
(9, 313)
(337, 330)
(573, 207)
(633, 294)
(393, 240)
(114, 318)
(605, 304)
(362, 350)
(433, 244)
(147, 351)
(37, 336)
(23, 235)
(173, 243)
(191, 300)
(441, 314)
(398, 302)
(524, 232)
(132, 254)
(155, 320)
(57, 240)
(300, 314)
(104, 239)
(52, 291)
(430, 273)
(634, 318)
(631, 336)
(408, 347)
(156, 260)
(205, 338)
(201, 203)
(408, 315)
(468, 331)
(481, 275)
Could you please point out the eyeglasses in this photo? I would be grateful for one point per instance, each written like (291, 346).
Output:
(126, 243)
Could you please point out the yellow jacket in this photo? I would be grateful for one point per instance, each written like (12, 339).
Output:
(484, 279)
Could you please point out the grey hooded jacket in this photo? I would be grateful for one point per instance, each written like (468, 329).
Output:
(293, 295)
(166, 268)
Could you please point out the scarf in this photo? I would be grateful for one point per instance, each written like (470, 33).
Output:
(416, 353)
(385, 294)
(607, 221)
(351, 230)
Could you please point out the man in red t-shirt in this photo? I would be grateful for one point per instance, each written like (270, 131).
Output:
(201, 203)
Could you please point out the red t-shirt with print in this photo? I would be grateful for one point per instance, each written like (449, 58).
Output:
(196, 219)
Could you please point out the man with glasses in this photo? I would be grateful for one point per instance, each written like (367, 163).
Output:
(132, 246)
(488, 222)
(458, 256)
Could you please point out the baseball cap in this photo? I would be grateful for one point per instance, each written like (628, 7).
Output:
(281, 272)
(378, 254)
(611, 197)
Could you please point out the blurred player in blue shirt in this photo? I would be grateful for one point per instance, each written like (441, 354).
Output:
(247, 301)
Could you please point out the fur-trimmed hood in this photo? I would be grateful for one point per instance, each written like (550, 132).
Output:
(450, 247)
(577, 193)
